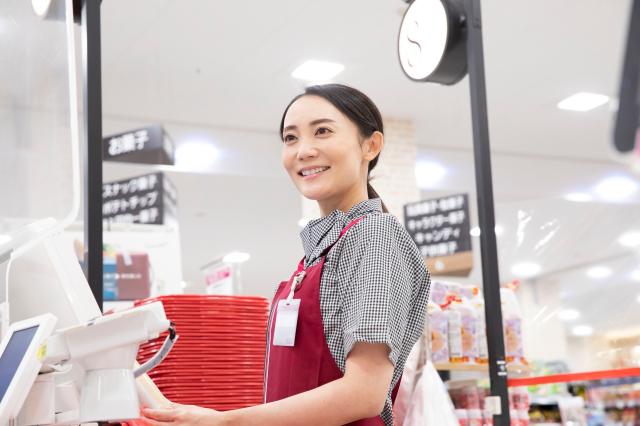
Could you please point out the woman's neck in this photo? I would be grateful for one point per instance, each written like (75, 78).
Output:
(343, 202)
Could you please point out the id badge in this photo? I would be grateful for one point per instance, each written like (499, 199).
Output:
(286, 323)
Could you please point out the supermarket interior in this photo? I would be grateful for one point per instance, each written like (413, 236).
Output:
(196, 211)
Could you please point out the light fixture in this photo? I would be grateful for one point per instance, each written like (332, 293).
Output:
(616, 188)
(429, 173)
(4, 239)
(499, 230)
(475, 231)
(583, 101)
(579, 197)
(41, 7)
(432, 43)
(568, 315)
(635, 275)
(236, 257)
(582, 330)
(630, 239)
(317, 71)
(196, 154)
(526, 269)
(599, 272)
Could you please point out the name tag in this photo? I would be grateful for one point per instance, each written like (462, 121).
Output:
(286, 322)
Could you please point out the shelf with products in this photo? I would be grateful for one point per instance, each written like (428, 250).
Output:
(519, 370)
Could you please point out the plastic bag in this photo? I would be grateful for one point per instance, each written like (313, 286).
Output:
(410, 374)
(430, 404)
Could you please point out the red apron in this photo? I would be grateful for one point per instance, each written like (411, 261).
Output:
(309, 364)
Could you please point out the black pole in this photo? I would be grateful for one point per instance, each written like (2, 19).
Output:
(486, 214)
(90, 23)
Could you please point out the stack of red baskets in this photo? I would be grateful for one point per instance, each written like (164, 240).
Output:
(218, 360)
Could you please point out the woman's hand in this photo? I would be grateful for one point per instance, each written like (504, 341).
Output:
(182, 415)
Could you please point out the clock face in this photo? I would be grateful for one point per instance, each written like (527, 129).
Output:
(423, 38)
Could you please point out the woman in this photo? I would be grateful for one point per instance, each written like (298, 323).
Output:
(359, 295)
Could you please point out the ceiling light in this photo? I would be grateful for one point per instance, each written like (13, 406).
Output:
(196, 155)
(526, 269)
(475, 231)
(236, 257)
(317, 71)
(630, 239)
(616, 188)
(578, 197)
(583, 101)
(599, 272)
(4, 239)
(635, 275)
(429, 173)
(568, 315)
(499, 230)
(582, 330)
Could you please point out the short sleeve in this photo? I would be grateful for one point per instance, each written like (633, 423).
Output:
(379, 284)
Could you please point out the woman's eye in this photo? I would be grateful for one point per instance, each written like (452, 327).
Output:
(288, 138)
(323, 131)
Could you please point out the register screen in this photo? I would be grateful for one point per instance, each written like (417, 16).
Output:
(12, 356)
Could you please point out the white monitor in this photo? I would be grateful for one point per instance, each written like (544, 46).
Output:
(20, 362)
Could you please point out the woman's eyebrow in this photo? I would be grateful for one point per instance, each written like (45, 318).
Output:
(311, 123)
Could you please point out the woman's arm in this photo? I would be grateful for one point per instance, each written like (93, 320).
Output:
(360, 394)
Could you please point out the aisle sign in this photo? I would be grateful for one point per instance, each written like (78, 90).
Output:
(440, 228)
(148, 145)
(147, 199)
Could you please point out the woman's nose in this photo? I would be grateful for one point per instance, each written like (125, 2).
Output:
(306, 150)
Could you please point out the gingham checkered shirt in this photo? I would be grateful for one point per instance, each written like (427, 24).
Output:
(374, 285)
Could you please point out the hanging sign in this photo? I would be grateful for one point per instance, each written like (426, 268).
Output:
(147, 199)
(440, 228)
(148, 145)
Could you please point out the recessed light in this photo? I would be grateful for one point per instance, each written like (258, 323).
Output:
(317, 71)
(616, 188)
(635, 275)
(196, 155)
(630, 239)
(236, 257)
(429, 173)
(578, 197)
(4, 239)
(499, 229)
(475, 231)
(599, 272)
(568, 315)
(526, 269)
(583, 101)
(582, 330)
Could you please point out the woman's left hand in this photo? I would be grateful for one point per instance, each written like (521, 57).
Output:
(182, 415)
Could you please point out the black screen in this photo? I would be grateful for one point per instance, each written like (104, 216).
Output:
(12, 356)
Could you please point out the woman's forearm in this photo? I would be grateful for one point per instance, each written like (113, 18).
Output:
(334, 403)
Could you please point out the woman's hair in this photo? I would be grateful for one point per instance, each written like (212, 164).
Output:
(357, 107)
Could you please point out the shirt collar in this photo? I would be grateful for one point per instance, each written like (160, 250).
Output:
(325, 231)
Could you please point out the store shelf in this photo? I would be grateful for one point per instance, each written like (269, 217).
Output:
(514, 369)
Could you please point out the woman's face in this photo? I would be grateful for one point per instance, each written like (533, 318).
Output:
(322, 150)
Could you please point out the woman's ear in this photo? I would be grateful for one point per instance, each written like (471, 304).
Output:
(373, 145)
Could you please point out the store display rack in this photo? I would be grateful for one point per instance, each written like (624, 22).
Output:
(519, 370)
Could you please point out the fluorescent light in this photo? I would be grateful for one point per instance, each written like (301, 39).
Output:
(317, 71)
(578, 197)
(196, 155)
(4, 239)
(582, 330)
(630, 239)
(236, 257)
(599, 272)
(616, 188)
(583, 101)
(429, 173)
(635, 275)
(568, 315)
(526, 269)
(475, 231)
